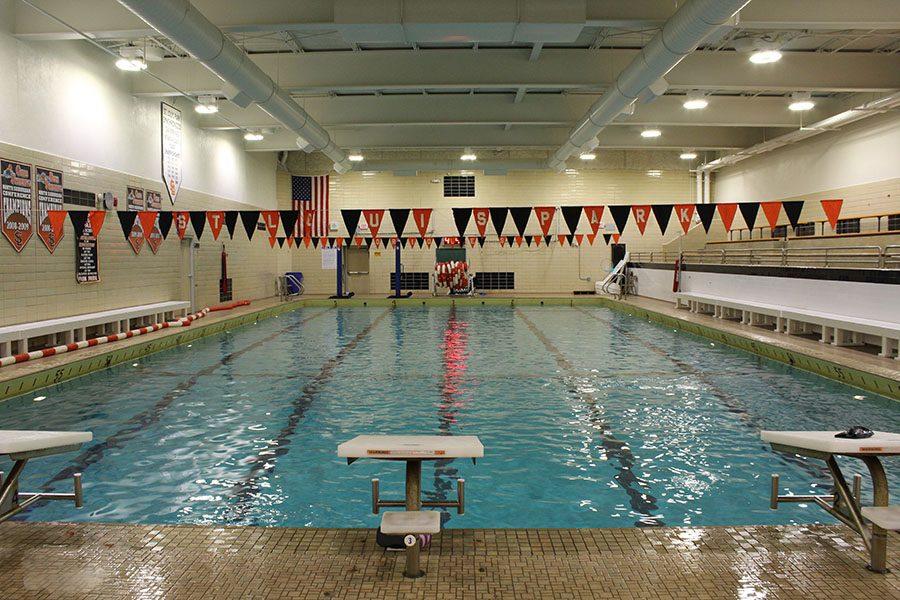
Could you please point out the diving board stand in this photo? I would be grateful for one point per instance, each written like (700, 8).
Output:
(21, 446)
(845, 504)
(412, 449)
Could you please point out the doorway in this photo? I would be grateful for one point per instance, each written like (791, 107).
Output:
(357, 269)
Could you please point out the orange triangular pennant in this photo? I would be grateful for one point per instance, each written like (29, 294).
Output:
(502, 241)
(591, 237)
(616, 237)
(685, 214)
(481, 216)
(641, 213)
(727, 211)
(771, 210)
(182, 219)
(832, 210)
(148, 221)
(216, 218)
(374, 218)
(562, 239)
(422, 217)
(578, 238)
(271, 218)
(519, 241)
(594, 215)
(545, 216)
(358, 241)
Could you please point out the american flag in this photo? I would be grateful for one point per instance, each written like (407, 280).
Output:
(309, 195)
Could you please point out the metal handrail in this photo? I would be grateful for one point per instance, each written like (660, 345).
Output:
(870, 257)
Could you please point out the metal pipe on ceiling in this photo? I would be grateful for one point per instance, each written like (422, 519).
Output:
(680, 36)
(179, 21)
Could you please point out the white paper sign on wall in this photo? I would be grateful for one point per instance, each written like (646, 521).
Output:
(329, 259)
(171, 135)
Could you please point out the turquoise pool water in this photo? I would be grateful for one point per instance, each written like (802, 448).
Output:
(589, 418)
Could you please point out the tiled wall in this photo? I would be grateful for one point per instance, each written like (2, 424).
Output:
(36, 285)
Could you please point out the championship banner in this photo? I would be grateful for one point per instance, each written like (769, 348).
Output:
(171, 136)
(87, 257)
(49, 184)
(15, 203)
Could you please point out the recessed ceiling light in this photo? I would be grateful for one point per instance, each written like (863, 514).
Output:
(355, 156)
(468, 155)
(654, 173)
(695, 101)
(801, 101)
(587, 156)
(254, 136)
(765, 56)
(651, 133)
(207, 105)
(571, 171)
(688, 155)
(131, 60)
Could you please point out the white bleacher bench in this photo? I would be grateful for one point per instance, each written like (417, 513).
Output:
(838, 330)
(14, 339)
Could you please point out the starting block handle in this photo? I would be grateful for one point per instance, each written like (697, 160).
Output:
(378, 503)
(79, 493)
(773, 498)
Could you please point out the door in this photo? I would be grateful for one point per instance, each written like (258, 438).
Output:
(357, 265)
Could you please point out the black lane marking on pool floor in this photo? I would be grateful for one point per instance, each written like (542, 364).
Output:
(140, 421)
(732, 404)
(454, 359)
(639, 496)
(264, 461)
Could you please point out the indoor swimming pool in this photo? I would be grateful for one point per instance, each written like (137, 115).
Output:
(589, 418)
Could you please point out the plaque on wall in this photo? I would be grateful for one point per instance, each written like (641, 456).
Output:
(171, 135)
(154, 200)
(87, 257)
(49, 184)
(15, 202)
(134, 200)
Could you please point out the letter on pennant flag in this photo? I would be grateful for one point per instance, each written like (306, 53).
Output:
(685, 214)
(271, 219)
(832, 210)
(641, 214)
(594, 215)
(374, 218)
(771, 210)
(481, 216)
(727, 211)
(181, 223)
(422, 217)
(215, 218)
(544, 216)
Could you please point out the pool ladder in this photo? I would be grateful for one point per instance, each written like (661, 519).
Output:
(459, 504)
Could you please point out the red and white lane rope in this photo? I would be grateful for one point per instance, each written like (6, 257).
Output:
(26, 356)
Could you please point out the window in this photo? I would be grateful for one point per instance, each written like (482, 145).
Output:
(79, 198)
(459, 186)
(894, 222)
(503, 280)
(779, 231)
(805, 229)
(410, 280)
(847, 226)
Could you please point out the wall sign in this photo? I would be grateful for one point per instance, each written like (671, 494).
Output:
(49, 184)
(154, 200)
(134, 200)
(171, 135)
(87, 258)
(15, 202)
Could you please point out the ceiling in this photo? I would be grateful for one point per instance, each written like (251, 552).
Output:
(428, 74)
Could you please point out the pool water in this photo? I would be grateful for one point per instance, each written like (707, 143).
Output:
(589, 418)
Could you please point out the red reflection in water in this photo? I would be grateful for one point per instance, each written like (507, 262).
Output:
(455, 365)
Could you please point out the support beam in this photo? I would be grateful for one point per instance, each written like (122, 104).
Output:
(535, 51)
(520, 95)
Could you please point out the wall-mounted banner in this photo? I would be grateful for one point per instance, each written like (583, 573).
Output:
(154, 200)
(134, 201)
(156, 236)
(15, 202)
(87, 257)
(171, 136)
(49, 184)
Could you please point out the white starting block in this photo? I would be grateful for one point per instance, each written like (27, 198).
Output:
(21, 446)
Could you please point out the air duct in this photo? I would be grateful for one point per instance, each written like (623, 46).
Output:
(681, 34)
(830, 124)
(179, 21)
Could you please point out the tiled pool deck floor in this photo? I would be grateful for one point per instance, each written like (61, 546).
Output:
(97, 561)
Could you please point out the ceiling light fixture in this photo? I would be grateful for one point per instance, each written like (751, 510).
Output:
(355, 156)
(651, 133)
(131, 59)
(688, 155)
(695, 101)
(801, 101)
(207, 105)
(765, 56)
(587, 156)
(654, 173)
(254, 136)
(468, 155)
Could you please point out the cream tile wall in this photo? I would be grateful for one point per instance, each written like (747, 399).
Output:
(36, 285)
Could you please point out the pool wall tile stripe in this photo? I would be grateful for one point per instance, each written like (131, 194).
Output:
(873, 382)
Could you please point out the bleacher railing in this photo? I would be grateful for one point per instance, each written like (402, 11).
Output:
(860, 257)
(849, 225)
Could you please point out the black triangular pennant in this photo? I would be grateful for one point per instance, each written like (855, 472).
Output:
(399, 217)
(420, 242)
(572, 214)
(297, 241)
(620, 214)
(520, 218)
(662, 213)
(126, 220)
(368, 242)
(569, 238)
(498, 218)
(231, 217)
(79, 218)
(793, 208)
(437, 242)
(351, 220)
(289, 221)
(280, 241)
(165, 223)
(461, 217)
(315, 242)
(249, 218)
(749, 210)
(386, 242)
(547, 239)
(607, 237)
(198, 222)
(706, 212)
(329, 242)
(528, 239)
(481, 242)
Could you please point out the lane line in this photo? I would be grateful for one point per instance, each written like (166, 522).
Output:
(638, 490)
(152, 415)
(263, 464)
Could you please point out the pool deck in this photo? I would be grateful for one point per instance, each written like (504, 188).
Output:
(104, 561)
(848, 365)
